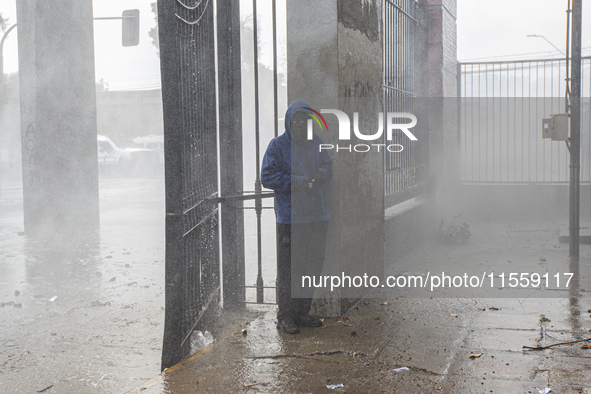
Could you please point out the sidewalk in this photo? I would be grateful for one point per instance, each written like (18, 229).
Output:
(363, 351)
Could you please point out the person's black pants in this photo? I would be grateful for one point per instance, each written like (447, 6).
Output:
(300, 251)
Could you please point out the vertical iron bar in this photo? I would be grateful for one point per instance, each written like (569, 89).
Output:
(257, 183)
(230, 129)
(275, 117)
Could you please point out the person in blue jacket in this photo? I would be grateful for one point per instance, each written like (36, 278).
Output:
(295, 168)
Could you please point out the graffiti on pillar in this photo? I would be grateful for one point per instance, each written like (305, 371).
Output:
(360, 89)
(30, 154)
(362, 97)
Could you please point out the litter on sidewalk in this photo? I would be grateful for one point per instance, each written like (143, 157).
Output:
(401, 369)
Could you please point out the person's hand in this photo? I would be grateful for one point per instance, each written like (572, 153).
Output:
(308, 183)
(318, 176)
(316, 179)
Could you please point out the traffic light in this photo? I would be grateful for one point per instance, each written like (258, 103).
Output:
(130, 28)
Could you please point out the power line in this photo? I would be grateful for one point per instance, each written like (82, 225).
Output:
(515, 55)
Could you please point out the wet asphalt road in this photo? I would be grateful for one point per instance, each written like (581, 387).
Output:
(103, 332)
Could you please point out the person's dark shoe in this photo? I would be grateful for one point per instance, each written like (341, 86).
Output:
(308, 321)
(287, 326)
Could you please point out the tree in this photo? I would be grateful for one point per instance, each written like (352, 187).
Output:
(102, 86)
(153, 33)
(3, 23)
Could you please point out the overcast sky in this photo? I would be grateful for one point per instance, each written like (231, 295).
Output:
(487, 30)
(494, 28)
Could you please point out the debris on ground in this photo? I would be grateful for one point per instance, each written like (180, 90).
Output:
(112, 279)
(384, 303)
(454, 232)
(334, 386)
(40, 390)
(545, 390)
(12, 358)
(475, 355)
(555, 344)
(200, 340)
(52, 299)
(453, 314)
(401, 369)
(99, 303)
(341, 319)
(250, 385)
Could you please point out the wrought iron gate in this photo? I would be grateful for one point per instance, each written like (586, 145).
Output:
(503, 104)
(189, 98)
(200, 274)
(405, 38)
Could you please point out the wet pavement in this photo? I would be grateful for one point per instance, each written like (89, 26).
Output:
(103, 332)
(434, 338)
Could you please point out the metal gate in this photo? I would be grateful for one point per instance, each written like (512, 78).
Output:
(405, 38)
(503, 104)
(189, 99)
(203, 116)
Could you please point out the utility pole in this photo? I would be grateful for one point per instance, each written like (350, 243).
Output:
(575, 129)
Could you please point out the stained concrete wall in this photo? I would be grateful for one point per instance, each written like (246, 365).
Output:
(334, 55)
(442, 89)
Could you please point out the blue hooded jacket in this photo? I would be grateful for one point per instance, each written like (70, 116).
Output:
(285, 165)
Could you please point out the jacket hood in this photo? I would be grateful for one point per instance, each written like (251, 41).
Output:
(295, 106)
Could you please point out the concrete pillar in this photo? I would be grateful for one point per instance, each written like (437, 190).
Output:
(442, 88)
(58, 115)
(334, 57)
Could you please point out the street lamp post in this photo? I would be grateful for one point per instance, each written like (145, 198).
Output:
(548, 41)
(2, 51)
